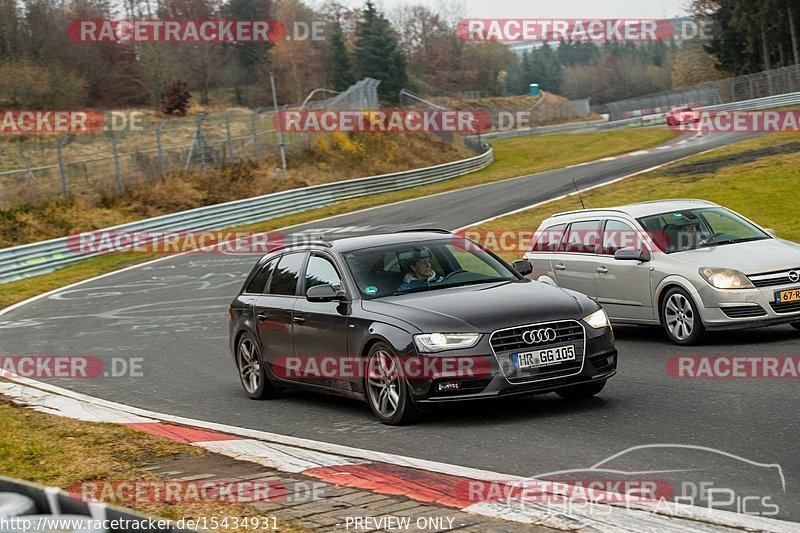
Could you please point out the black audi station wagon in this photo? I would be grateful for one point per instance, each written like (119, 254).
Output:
(413, 318)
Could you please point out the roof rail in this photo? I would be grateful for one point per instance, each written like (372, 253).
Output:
(423, 230)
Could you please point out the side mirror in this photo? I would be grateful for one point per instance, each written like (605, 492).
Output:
(324, 293)
(771, 232)
(523, 267)
(632, 254)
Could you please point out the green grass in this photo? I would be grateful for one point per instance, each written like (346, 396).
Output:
(513, 157)
(763, 189)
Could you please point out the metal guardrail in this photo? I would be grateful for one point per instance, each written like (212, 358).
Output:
(42, 257)
(744, 105)
(554, 128)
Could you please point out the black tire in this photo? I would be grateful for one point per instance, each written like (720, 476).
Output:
(252, 371)
(796, 325)
(385, 387)
(582, 391)
(680, 319)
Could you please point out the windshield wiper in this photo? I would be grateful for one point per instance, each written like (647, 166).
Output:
(733, 241)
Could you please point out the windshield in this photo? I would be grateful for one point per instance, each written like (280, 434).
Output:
(432, 265)
(691, 229)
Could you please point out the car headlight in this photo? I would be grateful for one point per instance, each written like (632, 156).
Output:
(598, 319)
(436, 342)
(725, 278)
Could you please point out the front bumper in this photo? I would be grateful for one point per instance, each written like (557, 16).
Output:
(746, 308)
(599, 363)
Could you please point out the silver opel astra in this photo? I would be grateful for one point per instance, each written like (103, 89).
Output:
(690, 265)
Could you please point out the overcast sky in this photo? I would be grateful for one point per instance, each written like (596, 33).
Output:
(538, 9)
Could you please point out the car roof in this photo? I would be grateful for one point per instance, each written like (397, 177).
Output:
(636, 210)
(347, 244)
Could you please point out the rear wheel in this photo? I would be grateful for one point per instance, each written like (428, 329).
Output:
(579, 392)
(252, 372)
(386, 387)
(680, 318)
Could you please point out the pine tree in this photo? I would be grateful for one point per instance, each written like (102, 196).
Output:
(377, 54)
(340, 68)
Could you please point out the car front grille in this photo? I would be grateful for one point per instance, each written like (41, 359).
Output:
(744, 311)
(507, 342)
(771, 279)
(785, 307)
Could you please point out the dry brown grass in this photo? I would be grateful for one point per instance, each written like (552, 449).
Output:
(61, 452)
(331, 158)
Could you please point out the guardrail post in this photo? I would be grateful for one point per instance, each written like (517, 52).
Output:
(197, 140)
(117, 172)
(228, 134)
(62, 170)
(161, 167)
(253, 118)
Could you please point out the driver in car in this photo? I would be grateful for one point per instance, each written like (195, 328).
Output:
(420, 272)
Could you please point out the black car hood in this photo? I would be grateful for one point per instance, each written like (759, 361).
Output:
(483, 308)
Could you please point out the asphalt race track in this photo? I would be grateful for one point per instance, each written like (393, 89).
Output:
(172, 314)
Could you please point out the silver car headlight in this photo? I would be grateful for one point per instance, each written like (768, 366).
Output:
(598, 319)
(436, 342)
(725, 278)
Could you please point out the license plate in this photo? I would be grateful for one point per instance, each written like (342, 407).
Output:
(546, 357)
(792, 295)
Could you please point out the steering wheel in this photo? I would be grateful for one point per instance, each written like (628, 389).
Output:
(710, 238)
(453, 273)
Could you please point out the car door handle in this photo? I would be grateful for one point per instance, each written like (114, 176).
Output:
(262, 316)
(298, 319)
(559, 266)
(602, 270)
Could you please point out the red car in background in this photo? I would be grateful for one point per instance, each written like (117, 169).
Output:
(682, 115)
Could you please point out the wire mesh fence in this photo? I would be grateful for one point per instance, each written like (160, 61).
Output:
(504, 113)
(748, 87)
(147, 149)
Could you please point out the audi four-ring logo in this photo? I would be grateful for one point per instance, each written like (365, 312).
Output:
(536, 336)
(794, 276)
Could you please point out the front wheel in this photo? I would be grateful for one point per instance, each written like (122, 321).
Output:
(252, 373)
(581, 392)
(680, 318)
(386, 387)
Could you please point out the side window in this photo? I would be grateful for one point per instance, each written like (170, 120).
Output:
(284, 279)
(618, 235)
(321, 271)
(259, 281)
(548, 239)
(582, 238)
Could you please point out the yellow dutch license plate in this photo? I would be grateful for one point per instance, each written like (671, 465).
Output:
(792, 295)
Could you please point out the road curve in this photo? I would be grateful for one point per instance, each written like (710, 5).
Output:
(171, 314)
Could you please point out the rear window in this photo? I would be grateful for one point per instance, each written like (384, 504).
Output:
(582, 237)
(259, 281)
(549, 239)
(287, 273)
